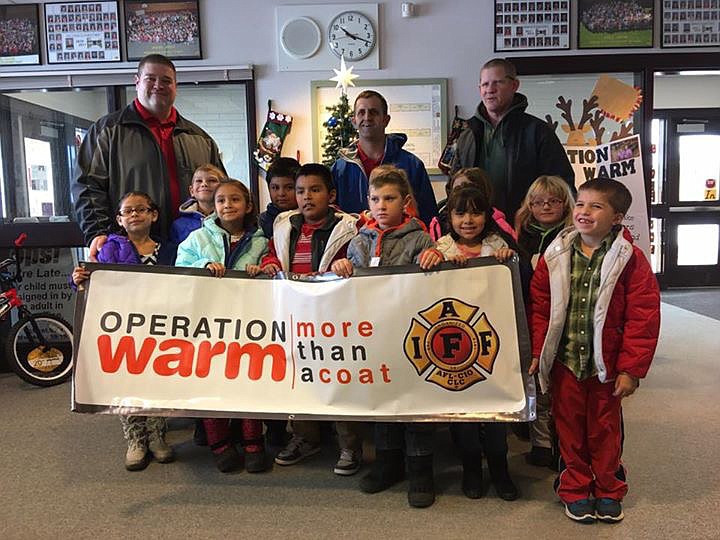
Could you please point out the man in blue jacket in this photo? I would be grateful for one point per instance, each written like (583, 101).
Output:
(352, 168)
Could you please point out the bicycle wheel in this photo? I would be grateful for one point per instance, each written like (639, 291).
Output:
(45, 359)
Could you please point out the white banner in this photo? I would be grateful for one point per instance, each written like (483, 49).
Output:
(620, 160)
(391, 346)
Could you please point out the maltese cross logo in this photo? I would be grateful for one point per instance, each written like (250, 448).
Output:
(451, 345)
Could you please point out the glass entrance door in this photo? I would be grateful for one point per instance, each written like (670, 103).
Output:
(692, 209)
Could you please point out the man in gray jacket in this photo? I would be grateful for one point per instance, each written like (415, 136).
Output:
(148, 146)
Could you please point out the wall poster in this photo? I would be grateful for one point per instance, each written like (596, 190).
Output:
(19, 35)
(528, 26)
(162, 27)
(690, 23)
(82, 32)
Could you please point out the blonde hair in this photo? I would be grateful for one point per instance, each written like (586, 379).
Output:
(553, 186)
(390, 175)
(212, 169)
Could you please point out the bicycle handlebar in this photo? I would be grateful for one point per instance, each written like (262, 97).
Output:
(20, 240)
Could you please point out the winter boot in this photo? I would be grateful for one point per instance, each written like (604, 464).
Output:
(387, 470)
(156, 429)
(421, 485)
(227, 458)
(136, 457)
(500, 477)
(472, 475)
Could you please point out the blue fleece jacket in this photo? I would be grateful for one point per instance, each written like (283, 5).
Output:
(351, 181)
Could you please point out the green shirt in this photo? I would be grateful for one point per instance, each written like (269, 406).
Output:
(493, 160)
(576, 346)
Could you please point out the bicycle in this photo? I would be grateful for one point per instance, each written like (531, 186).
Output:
(39, 346)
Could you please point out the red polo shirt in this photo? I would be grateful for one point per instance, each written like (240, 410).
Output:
(367, 163)
(163, 132)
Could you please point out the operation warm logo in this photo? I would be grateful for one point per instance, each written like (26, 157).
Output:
(454, 347)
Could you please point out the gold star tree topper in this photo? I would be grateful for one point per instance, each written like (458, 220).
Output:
(344, 76)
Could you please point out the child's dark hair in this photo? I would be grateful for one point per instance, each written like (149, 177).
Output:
(478, 178)
(250, 220)
(317, 169)
(618, 195)
(151, 204)
(472, 199)
(119, 229)
(283, 167)
(389, 175)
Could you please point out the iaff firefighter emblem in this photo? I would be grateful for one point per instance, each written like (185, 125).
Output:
(454, 347)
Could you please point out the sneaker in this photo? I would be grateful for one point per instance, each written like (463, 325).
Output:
(296, 450)
(608, 510)
(582, 511)
(349, 462)
(136, 457)
(161, 451)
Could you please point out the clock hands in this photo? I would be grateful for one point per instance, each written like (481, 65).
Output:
(354, 36)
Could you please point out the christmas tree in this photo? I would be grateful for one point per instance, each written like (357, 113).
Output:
(340, 131)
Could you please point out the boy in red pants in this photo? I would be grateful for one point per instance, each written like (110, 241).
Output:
(595, 319)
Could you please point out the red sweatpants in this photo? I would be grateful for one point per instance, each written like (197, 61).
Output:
(218, 434)
(587, 419)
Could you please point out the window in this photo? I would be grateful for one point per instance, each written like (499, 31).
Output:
(43, 122)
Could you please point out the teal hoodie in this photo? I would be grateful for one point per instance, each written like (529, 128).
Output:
(211, 243)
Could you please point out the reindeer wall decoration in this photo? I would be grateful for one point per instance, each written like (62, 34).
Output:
(577, 134)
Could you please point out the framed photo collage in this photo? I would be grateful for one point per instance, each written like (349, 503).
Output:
(82, 32)
(605, 24)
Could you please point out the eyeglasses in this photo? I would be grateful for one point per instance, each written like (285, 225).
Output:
(140, 211)
(541, 203)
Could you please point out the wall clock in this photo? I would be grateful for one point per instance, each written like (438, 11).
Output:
(351, 34)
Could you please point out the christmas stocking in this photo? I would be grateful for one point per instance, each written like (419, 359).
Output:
(277, 126)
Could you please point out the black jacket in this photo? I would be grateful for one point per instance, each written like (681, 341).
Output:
(120, 154)
(531, 149)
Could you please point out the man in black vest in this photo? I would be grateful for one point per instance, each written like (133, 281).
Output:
(512, 146)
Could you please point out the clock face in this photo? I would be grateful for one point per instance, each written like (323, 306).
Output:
(352, 35)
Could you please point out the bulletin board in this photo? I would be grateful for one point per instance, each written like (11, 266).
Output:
(417, 108)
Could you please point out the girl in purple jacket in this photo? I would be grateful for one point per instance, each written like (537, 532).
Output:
(145, 435)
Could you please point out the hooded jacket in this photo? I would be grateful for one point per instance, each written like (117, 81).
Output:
(626, 321)
(267, 218)
(327, 241)
(190, 220)
(118, 249)
(351, 181)
(211, 243)
(531, 149)
(120, 154)
(395, 246)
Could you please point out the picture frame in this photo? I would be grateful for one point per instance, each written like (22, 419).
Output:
(531, 26)
(417, 107)
(82, 32)
(167, 27)
(690, 23)
(601, 25)
(20, 28)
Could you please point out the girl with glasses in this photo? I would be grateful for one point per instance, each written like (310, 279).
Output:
(145, 435)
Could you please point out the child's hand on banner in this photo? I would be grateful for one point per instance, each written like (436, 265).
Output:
(342, 267)
(430, 258)
(216, 269)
